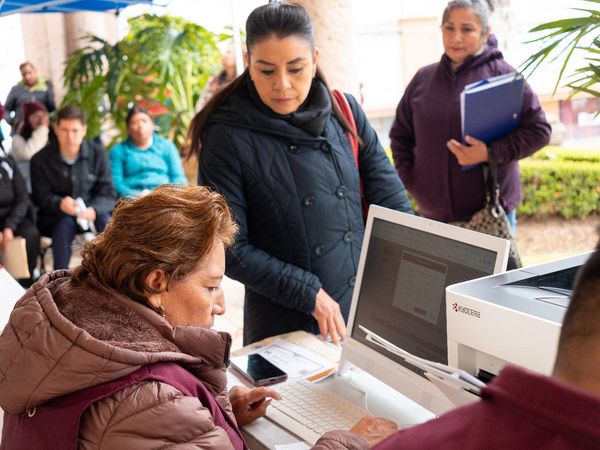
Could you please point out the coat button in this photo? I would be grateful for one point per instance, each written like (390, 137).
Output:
(319, 249)
(351, 281)
(341, 191)
(326, 147)
(348, 236)
(309, 201)
(293, 148)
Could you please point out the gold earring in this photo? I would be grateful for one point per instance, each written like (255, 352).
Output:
(159, 310)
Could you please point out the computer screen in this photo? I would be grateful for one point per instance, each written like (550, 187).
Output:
(405, 265)
(403, 286)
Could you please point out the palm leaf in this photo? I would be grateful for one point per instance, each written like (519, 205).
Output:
(562, 39)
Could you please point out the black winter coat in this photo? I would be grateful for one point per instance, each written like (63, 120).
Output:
(296, 198)
(52, 179)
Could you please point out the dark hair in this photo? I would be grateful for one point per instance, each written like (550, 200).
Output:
(30, 108)
(70, 112)
(25, 64)
(274, 19)
(135, 109)
(171, 228)
(279, 20)
(480, 8)
(582, 319)
(26, 131)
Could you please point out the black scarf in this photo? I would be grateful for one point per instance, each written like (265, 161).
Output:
(313, 114)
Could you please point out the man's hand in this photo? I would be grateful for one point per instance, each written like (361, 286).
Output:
(68, 205)
(250, 404)
(329, 317)
(474, 153)
(89, 214)
(6, 236)
(374, 429)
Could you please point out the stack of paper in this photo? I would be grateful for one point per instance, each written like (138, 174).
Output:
(296, 361)
(459, 379)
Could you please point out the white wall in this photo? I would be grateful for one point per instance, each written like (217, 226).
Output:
(377, 37)
(12, 54)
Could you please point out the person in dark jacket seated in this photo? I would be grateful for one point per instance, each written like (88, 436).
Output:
(14, 211)
(426, 136)
(275, 143)
(524, 410)
(138, 309)
(71, 184)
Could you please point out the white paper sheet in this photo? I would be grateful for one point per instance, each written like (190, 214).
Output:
(296, 361)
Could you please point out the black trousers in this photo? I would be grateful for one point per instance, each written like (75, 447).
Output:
(27, 230)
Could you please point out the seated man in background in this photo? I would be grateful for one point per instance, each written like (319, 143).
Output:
(521, 409)
(31, 88)
(71, 184)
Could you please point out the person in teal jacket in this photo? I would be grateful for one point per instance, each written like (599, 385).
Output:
(144, 160)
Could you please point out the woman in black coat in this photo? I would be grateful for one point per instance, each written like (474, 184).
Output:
(275, 144)
(14, 211)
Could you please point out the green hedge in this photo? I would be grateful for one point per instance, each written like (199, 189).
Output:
(556, 153)
(563, 186)
(558, 181)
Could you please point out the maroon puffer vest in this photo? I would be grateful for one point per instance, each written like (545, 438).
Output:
(55, 424)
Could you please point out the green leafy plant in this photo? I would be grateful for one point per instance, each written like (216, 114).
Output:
(563, 38)
(560, 186)
(162, 64)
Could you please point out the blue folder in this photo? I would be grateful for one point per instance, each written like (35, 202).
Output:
(490, 109)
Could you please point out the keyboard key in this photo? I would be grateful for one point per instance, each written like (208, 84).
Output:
(310, 411)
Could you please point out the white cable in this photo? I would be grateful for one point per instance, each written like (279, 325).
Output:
(359, 389)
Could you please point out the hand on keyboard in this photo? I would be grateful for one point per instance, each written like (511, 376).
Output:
(374, 429)
(250, 404)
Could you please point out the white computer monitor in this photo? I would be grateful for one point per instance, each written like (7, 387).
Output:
(405, 265)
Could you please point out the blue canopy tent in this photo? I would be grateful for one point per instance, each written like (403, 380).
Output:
(8, 7)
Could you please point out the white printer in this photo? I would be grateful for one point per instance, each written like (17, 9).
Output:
(513, 317)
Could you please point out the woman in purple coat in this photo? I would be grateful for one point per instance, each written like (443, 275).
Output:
(426, 134)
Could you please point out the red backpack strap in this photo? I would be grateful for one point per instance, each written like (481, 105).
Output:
(347, 112)
(352, 137)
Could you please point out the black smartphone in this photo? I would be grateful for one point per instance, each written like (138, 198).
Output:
(258, 370)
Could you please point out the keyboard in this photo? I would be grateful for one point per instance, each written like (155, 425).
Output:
(309, 411)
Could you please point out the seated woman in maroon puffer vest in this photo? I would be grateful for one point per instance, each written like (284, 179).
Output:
(119, 353)
(133, 319)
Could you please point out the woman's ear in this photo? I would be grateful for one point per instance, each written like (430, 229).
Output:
(487, 34)
(315, 58)
(156, 282)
